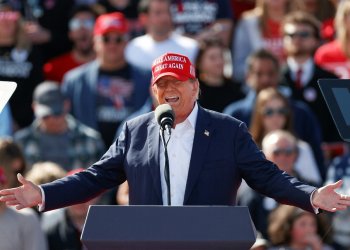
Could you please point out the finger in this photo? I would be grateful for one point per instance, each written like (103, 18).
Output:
(336, 184)
(344, 197)
(7, 198)
(7, 191)
(21, 179)
(344, 202)
(12, 203)
(341, 207)
(19, 207)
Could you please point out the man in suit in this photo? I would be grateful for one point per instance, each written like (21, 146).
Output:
(300, 40)
(209, 154)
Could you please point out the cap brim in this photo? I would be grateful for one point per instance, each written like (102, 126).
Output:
(111, 29)
(43, 111)
(178, 77)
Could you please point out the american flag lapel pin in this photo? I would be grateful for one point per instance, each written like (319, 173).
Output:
(206, 132)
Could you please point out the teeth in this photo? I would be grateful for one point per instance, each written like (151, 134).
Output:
(172, 99)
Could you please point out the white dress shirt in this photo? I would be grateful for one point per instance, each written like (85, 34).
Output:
(307, 69)
(179, 152)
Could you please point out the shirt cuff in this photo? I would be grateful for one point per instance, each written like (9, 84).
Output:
(316, 209)
(41, 207)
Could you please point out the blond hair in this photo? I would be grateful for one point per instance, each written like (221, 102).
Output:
(343, 35)
(44, 172)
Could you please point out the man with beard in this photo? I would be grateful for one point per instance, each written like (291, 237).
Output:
(301, 39)
(81, 25)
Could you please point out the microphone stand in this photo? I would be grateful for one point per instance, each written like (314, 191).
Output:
(166, 168)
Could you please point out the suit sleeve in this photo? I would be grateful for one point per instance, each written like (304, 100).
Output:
(107, 173)
(265, 177)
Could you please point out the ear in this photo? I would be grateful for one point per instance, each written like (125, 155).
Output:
(70, 35)
(154, 91)
(196, 88)
(143, 19)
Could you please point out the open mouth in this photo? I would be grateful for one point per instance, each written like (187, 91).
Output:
(172, 99)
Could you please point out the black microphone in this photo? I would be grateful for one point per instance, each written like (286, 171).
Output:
(165, 117)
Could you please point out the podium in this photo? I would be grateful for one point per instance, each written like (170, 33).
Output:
(168, 228)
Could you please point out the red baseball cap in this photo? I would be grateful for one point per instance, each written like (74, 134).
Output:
(171, 64)
(2, 176)
(115, 21)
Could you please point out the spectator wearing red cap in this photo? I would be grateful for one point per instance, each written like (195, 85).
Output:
(104, 92)
(209, 155)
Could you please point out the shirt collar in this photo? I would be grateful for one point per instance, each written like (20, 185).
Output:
(192, 118)
(294, 66)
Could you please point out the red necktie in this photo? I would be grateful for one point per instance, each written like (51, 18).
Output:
(298, 84)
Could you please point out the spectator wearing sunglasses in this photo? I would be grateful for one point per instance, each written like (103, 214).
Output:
(273, 112)
(80, 25)
(105, 91)
(260, 28)
(263, 72)
(285, 150)
(301, 37)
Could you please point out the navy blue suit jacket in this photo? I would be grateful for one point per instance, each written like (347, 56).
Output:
(218, 163)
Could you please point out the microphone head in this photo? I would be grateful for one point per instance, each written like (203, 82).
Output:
(164, 111)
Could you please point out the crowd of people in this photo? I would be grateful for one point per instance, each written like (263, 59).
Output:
(84, 67)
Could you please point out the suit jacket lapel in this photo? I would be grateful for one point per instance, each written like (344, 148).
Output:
(201, 141)
(153, 156)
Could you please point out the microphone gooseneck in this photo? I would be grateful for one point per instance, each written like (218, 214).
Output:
(165, 117)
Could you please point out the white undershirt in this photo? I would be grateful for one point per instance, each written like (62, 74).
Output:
(179, 152)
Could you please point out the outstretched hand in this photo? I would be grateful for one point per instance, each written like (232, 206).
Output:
(327, 199)
(27, 195)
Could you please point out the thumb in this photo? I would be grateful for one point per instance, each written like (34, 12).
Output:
(21, 179)
(336, 184)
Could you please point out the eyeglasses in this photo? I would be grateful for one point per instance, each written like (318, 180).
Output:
(76, 24)
(300, 34)
(114, 39)
(284, 151)
(279, 111)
